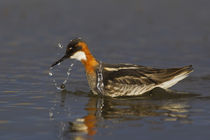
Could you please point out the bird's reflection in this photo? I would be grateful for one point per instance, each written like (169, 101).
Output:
(161, 104)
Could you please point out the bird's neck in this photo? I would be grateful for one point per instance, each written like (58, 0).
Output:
(90, 63)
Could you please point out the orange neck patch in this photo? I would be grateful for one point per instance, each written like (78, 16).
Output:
(90, 63)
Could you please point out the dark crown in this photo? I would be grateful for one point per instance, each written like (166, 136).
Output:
(74, 42)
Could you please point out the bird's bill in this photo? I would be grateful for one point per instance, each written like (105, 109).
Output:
(60, 60)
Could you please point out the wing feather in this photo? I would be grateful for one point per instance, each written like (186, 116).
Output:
(138, 75)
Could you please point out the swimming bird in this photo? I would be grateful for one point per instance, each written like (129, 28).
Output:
(121, 79)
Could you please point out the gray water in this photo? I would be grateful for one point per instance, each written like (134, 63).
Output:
(157, 33)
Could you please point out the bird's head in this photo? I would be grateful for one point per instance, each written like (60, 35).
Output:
(76, 49)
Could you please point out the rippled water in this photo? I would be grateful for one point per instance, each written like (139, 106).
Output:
(152, 33)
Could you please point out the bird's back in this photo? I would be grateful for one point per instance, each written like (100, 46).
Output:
(130, 80)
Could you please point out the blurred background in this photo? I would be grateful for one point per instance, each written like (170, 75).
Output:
(157, 33)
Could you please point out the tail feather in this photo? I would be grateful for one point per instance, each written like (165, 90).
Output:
(178, 75)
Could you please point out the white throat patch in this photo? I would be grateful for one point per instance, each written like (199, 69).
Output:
(79, 56)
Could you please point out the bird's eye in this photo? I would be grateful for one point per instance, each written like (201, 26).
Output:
(79, 47)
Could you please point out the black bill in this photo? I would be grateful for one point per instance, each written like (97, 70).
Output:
(60, 60)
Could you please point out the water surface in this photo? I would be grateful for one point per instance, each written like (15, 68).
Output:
(153, 33)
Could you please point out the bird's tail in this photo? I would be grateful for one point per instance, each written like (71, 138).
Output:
(179, 75)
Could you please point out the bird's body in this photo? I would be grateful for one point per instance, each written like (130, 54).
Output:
(132, 80)
(122, 79)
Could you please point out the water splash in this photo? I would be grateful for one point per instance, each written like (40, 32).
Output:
(62, 86)
(51, 74)
(100, 84)
(68, 74)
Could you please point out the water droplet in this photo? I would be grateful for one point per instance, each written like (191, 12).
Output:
(60, 46)
(51, 114)
(58, 88)
(64, 82)
(50, 73)
(62, 86)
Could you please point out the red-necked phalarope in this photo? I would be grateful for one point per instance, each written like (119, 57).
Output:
(121, 79)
